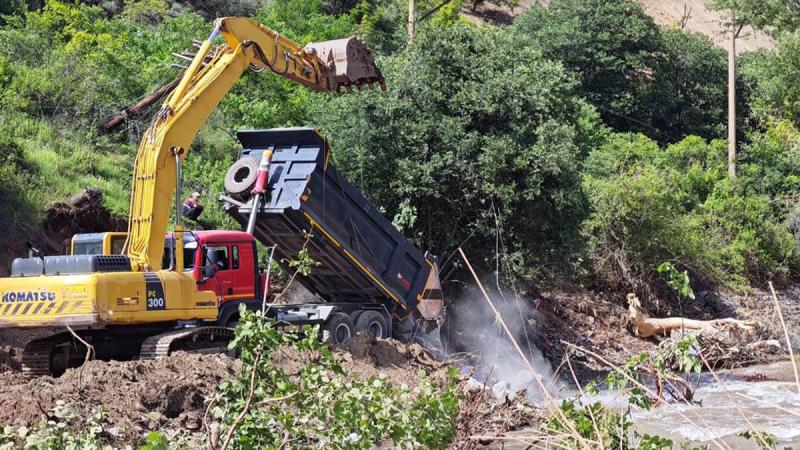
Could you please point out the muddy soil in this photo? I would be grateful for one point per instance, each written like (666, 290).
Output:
(136, 395)
(171, 393)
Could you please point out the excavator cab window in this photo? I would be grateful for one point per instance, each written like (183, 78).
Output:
(189, 249)
(87, 248)
(117, 244)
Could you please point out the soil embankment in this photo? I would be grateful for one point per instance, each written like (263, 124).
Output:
(170, 394)
(83, 213)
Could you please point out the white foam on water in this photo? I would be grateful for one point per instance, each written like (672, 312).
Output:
(722, 412)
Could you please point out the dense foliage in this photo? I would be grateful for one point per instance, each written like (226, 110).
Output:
(476, 133)
(661, 82)
(503, 139)
(677, 204)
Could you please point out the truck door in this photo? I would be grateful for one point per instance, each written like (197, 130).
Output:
(244, 271)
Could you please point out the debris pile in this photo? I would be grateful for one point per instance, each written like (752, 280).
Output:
(484, 419)
(724, 343)
(83, 213)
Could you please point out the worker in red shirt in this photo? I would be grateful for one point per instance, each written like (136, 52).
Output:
(192, 207)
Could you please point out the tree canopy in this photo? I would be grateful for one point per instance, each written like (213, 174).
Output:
(582, 140)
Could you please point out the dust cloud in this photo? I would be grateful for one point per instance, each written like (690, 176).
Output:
(472, 328)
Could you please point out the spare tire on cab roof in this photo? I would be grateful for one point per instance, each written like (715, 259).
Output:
(241, 177)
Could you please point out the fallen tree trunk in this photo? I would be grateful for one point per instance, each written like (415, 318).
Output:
(647, 327)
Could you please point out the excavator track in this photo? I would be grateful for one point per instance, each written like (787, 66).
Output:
(46, 357)
(36, 358)
(161, 345)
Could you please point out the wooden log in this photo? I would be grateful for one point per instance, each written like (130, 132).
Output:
(140, 106)
(647, 327)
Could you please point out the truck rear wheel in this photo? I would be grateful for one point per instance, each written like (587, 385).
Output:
(373, 323)
(340, 328)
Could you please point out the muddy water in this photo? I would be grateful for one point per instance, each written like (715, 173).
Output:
(734, 404)
(762, 397)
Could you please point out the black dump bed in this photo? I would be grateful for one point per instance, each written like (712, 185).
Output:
(362, 257)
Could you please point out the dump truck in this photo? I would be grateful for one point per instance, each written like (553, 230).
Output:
(369, 276)
(128, 304)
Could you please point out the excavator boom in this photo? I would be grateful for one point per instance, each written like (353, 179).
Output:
(323, 67)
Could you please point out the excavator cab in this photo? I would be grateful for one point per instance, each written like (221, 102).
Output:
(109, 243)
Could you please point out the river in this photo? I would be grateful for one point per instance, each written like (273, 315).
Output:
(762, 397)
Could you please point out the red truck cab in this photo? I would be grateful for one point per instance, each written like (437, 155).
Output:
(224, 262)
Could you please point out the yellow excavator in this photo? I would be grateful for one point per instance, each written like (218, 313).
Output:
(127, 305)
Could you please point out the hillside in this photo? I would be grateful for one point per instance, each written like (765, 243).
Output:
(689, 15)
(695, 16)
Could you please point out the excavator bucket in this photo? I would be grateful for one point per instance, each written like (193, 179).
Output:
(350, 63)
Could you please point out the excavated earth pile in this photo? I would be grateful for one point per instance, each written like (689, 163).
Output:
(170, 394)
(83, 213)
(136, 396)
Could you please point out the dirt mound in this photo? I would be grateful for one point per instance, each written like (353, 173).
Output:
(400, 362)
(83, 213)
(171, 393)
(365, 357)
(137, 396)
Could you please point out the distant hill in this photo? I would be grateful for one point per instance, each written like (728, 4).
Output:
(696, 17)
(691, 15)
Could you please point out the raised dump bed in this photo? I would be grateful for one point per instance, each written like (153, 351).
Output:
(363, 258)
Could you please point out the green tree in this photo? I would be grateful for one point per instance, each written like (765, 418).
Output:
(610, 45)
(774, 80)
(689, 95)
(773, 16)
(664, 83)
(477, 133)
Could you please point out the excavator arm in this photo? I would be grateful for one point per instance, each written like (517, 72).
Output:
(328, 66)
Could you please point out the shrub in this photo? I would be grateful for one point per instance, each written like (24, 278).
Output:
(651, 205)
(321, 404)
